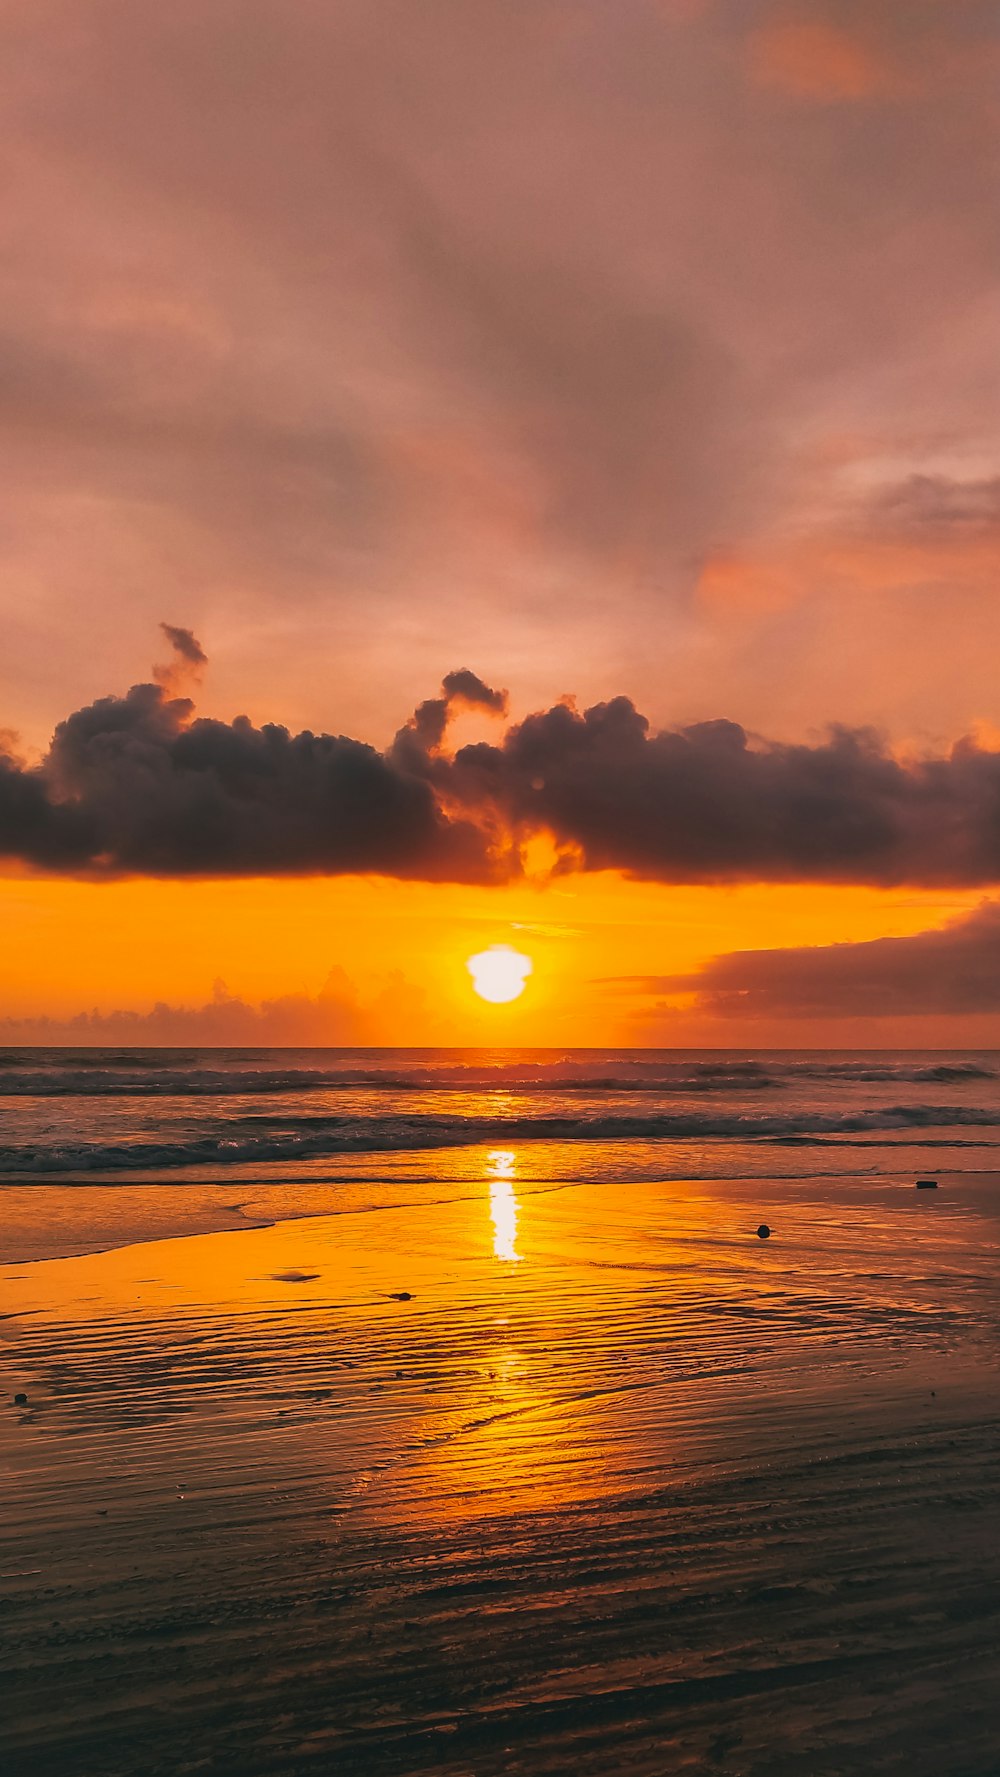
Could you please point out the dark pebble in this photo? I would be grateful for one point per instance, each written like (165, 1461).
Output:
(20, 1400)
(400, 1296)
(927, 1184)
(763, 1232)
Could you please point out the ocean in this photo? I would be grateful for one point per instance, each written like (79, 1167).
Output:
(275, 1114)
(311, 1131)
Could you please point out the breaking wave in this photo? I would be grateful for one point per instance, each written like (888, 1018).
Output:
(319, 1136)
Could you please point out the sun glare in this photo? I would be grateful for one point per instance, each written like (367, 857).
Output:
(499, 974)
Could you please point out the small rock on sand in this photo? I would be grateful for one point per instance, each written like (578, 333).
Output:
(763, 1232)
(927, 1184)
(400, 1296)
(20, 1400)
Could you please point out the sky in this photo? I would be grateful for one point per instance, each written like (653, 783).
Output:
(500, 472)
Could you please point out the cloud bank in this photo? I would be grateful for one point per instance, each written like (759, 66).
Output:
(952, 972)
(337, 1015)
(140, 785)
(706, 803)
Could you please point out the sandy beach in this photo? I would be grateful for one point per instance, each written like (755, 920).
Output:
(561, 1478)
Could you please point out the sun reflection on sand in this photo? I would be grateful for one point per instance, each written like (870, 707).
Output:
(503, 1203)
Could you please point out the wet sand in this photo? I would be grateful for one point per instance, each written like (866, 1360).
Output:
(575, 1479)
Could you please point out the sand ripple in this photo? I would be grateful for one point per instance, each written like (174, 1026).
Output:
(617, 1487)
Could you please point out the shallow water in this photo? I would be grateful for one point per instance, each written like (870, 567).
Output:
(155, 1142)
(538, 1478)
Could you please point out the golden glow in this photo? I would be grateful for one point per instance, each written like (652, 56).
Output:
(598, 942)
(499, 974)
(503, 1204)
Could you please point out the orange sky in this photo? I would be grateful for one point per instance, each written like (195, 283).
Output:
(404, 948)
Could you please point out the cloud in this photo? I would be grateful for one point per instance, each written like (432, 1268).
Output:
(141, 785)
(335, 1016)
(928, 507)
(479, 323)
(840, 52)
(705, 803)
(954, 971)
(188, 663)
(138, 785)
(425, 730)
(810, 59)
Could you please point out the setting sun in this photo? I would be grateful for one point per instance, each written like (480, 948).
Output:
(500, 973)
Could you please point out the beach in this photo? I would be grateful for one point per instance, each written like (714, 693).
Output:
(536, 1475)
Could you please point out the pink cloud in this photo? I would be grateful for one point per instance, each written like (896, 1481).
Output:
(469, 331)
(813, 60)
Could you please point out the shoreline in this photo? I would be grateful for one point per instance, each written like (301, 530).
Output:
(105, 1217)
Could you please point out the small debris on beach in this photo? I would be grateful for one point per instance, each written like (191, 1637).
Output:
(294, 1276)
(927, 1184)
(400, 1296)
(763, 1232)
(20, 1400)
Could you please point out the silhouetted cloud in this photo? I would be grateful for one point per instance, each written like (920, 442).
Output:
(188, 663)
(952, 971)
(336, 1015)
(706, 804)
(425, 730)
(141, 785)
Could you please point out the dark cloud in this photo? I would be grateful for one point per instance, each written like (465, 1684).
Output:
(141, 785)
(36, 830)
(188, 663)
(953, 971)
(705, 804)
(425, 731)
(186, 644)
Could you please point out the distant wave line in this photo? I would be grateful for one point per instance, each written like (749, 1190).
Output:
(356, 1135)
(191, 1080)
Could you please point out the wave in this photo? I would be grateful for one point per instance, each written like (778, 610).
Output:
(320, 1137)
(187, 1075)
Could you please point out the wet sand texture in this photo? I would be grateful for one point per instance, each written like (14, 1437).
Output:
(585, 1481)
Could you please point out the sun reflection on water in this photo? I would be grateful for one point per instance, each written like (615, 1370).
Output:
(503, 1203)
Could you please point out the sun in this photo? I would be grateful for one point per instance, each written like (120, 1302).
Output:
(499, 974)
